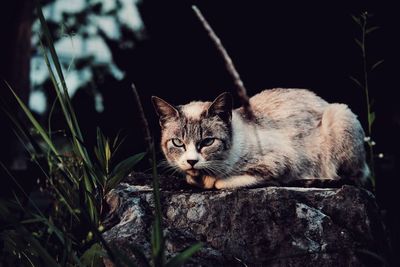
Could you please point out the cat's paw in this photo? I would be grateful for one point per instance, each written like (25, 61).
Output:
(206, 182)
(237, 181)
(192, 180)
(219, 184)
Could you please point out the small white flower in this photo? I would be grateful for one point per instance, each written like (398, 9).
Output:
(373, 143)
(367, 138)
(380, 155)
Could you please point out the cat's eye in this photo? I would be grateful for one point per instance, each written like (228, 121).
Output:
(207, 142)
(177, 142)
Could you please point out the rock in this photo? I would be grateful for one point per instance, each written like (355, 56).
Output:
(271, 226)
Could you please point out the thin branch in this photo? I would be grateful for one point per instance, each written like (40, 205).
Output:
(370, 115)
(145, 124)
(158, 246)
(241, 90)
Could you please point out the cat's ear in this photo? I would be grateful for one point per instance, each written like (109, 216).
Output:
(222, 107)
(164, 110)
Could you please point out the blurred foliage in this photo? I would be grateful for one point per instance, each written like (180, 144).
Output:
(62, 224)
(82, 30)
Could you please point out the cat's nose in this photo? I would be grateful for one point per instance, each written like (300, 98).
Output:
(192, 162)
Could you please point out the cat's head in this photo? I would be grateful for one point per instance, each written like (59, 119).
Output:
(196, 137)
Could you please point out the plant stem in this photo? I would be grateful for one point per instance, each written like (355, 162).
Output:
(158, 238)
(366, 88)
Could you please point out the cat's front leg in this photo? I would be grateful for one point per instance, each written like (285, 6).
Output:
(236, 181)
(205, 181)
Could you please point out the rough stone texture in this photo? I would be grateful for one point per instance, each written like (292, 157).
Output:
(271, 226)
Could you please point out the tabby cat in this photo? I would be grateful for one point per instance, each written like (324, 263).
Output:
(294, 135)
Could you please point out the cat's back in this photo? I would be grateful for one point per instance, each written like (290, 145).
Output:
(282, 105)
(282, 102)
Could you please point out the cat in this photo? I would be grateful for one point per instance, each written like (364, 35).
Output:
(295, 135)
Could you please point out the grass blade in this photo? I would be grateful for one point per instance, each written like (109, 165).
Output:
(64, 97)
(157, 241)
(359, 43)
(377, 64)
(127, 164)
(49, 260)
(372, 29)
(122, 170)
(356, 20)
(34, 122)
(371, 118)
(357, 82)
(182, 257)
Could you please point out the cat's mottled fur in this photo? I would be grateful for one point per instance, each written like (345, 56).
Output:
(295, 135)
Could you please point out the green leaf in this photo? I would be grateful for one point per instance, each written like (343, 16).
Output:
(372, 29)
(87, 202)
(49, 260)
(93, 256)
(107, 152)
(35, 123)
(356, 20)
(113, 181)
(116, 140)
(4, 210)
(372, 103)
(377, 64)
(97, 153)
(357, 82)
(50, 44)
(100, 150)
(88, 182)
(52, 228)
(23, 134)
(64, 98)
(127, 164)
(103, 151)
(56, 87)
(92, 208)
(117, 143)
(182, 257)
(157, 240)
(33, 220)
(365, 253)
(123, 169)
(371, 118)
(359, 43)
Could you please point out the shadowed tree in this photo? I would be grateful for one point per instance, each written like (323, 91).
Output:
(15, 30)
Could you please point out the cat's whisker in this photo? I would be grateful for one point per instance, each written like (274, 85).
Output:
(163, 163)
(215, 170)
(170, 168)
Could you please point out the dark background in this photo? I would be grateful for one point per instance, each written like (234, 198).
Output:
(274, 44)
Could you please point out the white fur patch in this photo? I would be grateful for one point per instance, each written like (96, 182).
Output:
(190, 154)
(236, 181)
(249, 139)
(193, 110)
